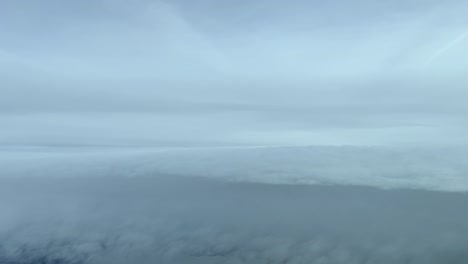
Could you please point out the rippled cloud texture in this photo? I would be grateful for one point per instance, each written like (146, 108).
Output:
(187, 220)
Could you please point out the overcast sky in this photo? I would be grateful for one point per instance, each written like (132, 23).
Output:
(263, 72)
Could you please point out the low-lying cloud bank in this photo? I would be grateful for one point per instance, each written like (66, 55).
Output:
(430, 168)
(165, 219)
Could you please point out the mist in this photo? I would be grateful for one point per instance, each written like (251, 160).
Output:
(254, 73)
(248, 131)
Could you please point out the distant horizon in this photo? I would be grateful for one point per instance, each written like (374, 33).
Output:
(244, 73)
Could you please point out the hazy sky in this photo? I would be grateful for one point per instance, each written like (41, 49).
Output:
(183, 72)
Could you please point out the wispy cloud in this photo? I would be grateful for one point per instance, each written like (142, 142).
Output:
(304, 66)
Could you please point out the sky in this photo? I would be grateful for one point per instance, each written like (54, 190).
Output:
(206, 72)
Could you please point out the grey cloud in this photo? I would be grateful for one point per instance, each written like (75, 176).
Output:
(439, 168)
(127, 220)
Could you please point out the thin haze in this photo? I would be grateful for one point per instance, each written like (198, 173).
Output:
(246, 131)
(206, 72)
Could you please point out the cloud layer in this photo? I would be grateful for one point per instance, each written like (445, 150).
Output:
(186, 220)
(258, 72)
(95, 95)
(442, 169)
